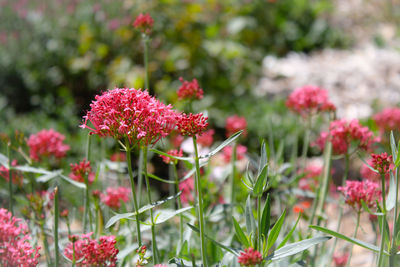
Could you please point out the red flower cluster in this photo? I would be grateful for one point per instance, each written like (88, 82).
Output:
(15, 249)
(187, 188)
(114, 195)
(301, 206)
(191, 124)
(190, 90)
(144, 22)
(382, 163)
(92, 252)
(173, 152)
(250, 257)
(309, 99)
(206, 139)
(118, 157)
(17, 177)
(340, 260)
(388, 119)
(79, 170)
(342, 134)
(234, 124)
(47, 143)
(355, 191)
(132, 114)
(310, 179)
(240, 153)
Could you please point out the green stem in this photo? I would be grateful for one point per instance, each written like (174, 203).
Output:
(135, 205)
(10, 187)
(259, 223)
(46, 244)
(140, 177)
(354, 236)
(393, 247)
(179, 202)
(56, 216)
(306, 142)
(380, 259)
(153, 231)
(233, 166)
(73, 254)
(146, 61)
(87, 212)
(200, 204)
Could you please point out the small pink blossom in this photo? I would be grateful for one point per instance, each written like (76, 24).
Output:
(206, 139)
(79, 170)
(382, 163)
(144, 22)
(17, 177)
(173, 152)
(388, 119)
(310, 179)
(187, 188)
(240, 153)
(160, 265)
(190, 90)
(47, 143)
(250, 257)
(355, 191)
(340, 259)
(234, 124)
(308, 100)
(191, 124)
(113, 196)
(118, 157)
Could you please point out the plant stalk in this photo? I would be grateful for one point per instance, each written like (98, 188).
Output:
(354, 236)
(393, 249)
(233, 166)
(179, 202)
(10, 186)
(56, 217)
(87, 212)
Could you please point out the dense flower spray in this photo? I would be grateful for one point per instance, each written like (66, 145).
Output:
(144, 22)
(343, 133)
(47, 143)
(234, 124)
(308, 100)
(113, 196)
(17, 177)
(190, 90)
(388, 119)
(191, 124)
(92, 252)
(382, 163)
(15, 249)
(79, 170)
(250, 257)
(355, 191)
(131, 114)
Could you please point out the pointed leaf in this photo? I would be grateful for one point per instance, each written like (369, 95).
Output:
(265, 218)
(47, 177)
(240, 234)
(155, 177)
(391, 198)
(274, 233)
(367, 209)
(232, 138)
(170, 156)
(262, 177)
(263, 158)
(26, 168)
(3, 160)
(366, 163)
(393, 146)
(75, 183)
(289, 234)
(250, 221)
(166, 214)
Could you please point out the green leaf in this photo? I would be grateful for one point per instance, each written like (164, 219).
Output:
(240, 234)
(159, 179)
(170, 156)
(75, 183)
(391, 198)
(289, 234)
(229, 249)
(365, 206)
(265, 218)
(274, 233)
(164, 215)
(126, 251)
(260, 183)
(263, 158)
(4, 160)
(178, 262)
(232, 138)
(393, 147)
(297, 247)
(366, 163)
(349, 239)
(250, 221)
(26, 168)
(47, 177)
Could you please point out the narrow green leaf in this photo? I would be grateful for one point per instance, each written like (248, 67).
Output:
(232, 138)
(170, 156)
(162, 216)
(391, 198)
(367, 209)
(26, 168)
(393, 146)
(47, 177)
(126, 251)
(229, 249)
(366, 163)
(262, 177)
(263, 158)
(179, 262)
(250, 221)
(289, 234)
(240, 234)
(155, 177)
(349, 239)
(3, 160)
(75, 183)
(297, 247)
(274, 233)
(265, 218)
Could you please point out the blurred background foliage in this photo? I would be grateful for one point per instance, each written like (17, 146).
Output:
(55, 55)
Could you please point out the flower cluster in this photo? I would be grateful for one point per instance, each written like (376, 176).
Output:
(130, 114)
(187, 187)
(47, 143)
(173, 152)
(79, 170)
(240, 153)
(301, 206)
(191, 124)
(92, 252)
(15, 249)
(190, 90)
(388, 119)
(250, 257)
(342, 134)
(309, 181)
(340, 260)
(206, 139)
(114, 195)
(234, 124)
(355, 191)
(17, 177)
(308, 100)
(382, 163)
(118, 157)
(144, 22)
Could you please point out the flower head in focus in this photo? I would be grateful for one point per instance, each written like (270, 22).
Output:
(79, 170)
(382, 163)
(144, 22)
(355, 191)
(308, 100)
(47, 143)
(234, 124)
(172, 152)
(250, 257)
(190, 90)
(113, 196)
(388, 119)
(191, 124)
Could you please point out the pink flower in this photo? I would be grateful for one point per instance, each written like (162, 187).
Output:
(160, 265)
(234, 124)
(130, 114)
(308, 100)
(118, 157)
(114, 195)
(382, 163)
(190, 90)
(206, 139)
(173, 152)
(340, 260)
(240, 153)
(17, 177)
(47, 143)
(144, 22)
(355, 191)
(92, 252)
(191, 125)
(250, 257)
(187, 188)
(79, 170)
(310, 179)
(388, 119)
(15, 249)
(342, 134)
(369, 174)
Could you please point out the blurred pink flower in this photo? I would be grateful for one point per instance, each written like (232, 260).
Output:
(79, 170)
(388, 119)
(340, 259)
(144, 22)
(173, 152)
(234, 124)
(114, 195)
(47, 143)
(118, 157)
(310, 179)
(355, 191)
(206, 139)
(17, 177)
(240, 153)
(190, 90)
(187, 188)
(250, 257)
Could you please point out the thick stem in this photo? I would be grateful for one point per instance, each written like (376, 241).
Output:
(200, 204)
(153, 231)
(135, 205)
(56, 216)
(10, 187)
(46, 244)
(179, 202)
(393, 251)
(380, 258)
(233, 166)
(354, 236)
